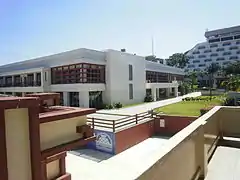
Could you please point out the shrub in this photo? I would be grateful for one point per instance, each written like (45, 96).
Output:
(118, 105)
(148, 98)
(109, 106)
(229, 102)
(205, 110)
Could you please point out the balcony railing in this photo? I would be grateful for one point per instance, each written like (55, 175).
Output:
(22, 84)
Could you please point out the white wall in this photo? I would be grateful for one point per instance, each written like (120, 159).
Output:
(117, 78)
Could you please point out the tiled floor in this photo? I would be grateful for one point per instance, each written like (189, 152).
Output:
(225, 164)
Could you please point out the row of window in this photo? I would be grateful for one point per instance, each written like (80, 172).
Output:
(214, 54)
(218, 49)
(159, 77)
(78, 73)
(218, 59)
(204, 65)
(224, 39)
(17, 80)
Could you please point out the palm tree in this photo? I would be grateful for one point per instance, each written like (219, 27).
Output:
(212, 69)
(192, 76)
(202, 74)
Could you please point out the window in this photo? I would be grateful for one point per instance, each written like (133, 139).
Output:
(220, 49)
(130, 91)
(213, 45)
(237, 37)
(226, 44)
(201, 56)
(191, 66)
(227, 38)
(225, 63)
(196, 52)
(233, 48)
(196, 61)
(191, 57)
(201, 47)
(238, 42)
(226, 53)
(214, 55)
(201, 65)
(156, 77)
(130, 72)
(45, 76)
(78, 73)
(220, 59)
(207, 51)
(238, 52)
(214, 40)
(208, 60)
(233, 57)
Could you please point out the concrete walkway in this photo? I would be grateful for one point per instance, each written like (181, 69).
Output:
(140, 108)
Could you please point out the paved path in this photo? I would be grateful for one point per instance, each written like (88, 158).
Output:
(140, 108)
(83, 166)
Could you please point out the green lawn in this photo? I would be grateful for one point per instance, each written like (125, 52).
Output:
(188, 108)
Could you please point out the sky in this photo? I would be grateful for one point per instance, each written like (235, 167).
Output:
(34, 28)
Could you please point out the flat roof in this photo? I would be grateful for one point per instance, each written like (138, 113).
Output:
(93, 162)
(233, 29)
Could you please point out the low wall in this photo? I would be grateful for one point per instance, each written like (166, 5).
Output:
(170, 125)
(129, 137)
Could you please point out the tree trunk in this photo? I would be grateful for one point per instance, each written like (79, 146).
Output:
(210, 85)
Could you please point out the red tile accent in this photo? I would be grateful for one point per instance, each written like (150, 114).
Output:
(173, 124)
(132, 136)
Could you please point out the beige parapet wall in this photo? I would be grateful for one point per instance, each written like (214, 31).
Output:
(185, 155)
(59, 132)
(18, 144)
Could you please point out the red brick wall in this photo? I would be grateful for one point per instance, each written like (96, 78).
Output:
(132, 136)
(173, 124)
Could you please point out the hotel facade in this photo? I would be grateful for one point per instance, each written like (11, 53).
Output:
(90, 78)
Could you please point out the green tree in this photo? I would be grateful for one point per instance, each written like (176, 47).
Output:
(192, 79)
(211, 70)
(179, 60)
(233, 68)
(233, 83)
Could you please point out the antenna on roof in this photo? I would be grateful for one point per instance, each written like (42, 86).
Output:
(152, 46)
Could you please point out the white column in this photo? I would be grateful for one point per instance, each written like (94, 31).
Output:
(35, 77)
(14, 93)
(66, 99)
(157, 92)
(13, 80)
(168, 92)
(84, 99)
(154, 94)
(176, 91)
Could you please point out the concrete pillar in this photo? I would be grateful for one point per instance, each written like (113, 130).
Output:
(23, 94)
(168, 92)
(34, 78)
(66, 101)
(13, 80)
(14, 93)
(154, 94)
(176, 91)
(157, 94)
(84, 99)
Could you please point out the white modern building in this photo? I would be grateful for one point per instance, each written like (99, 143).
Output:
(222, 46)
(89, 78)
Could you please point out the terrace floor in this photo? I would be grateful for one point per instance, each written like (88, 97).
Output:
(225, 164)
(87, 164)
